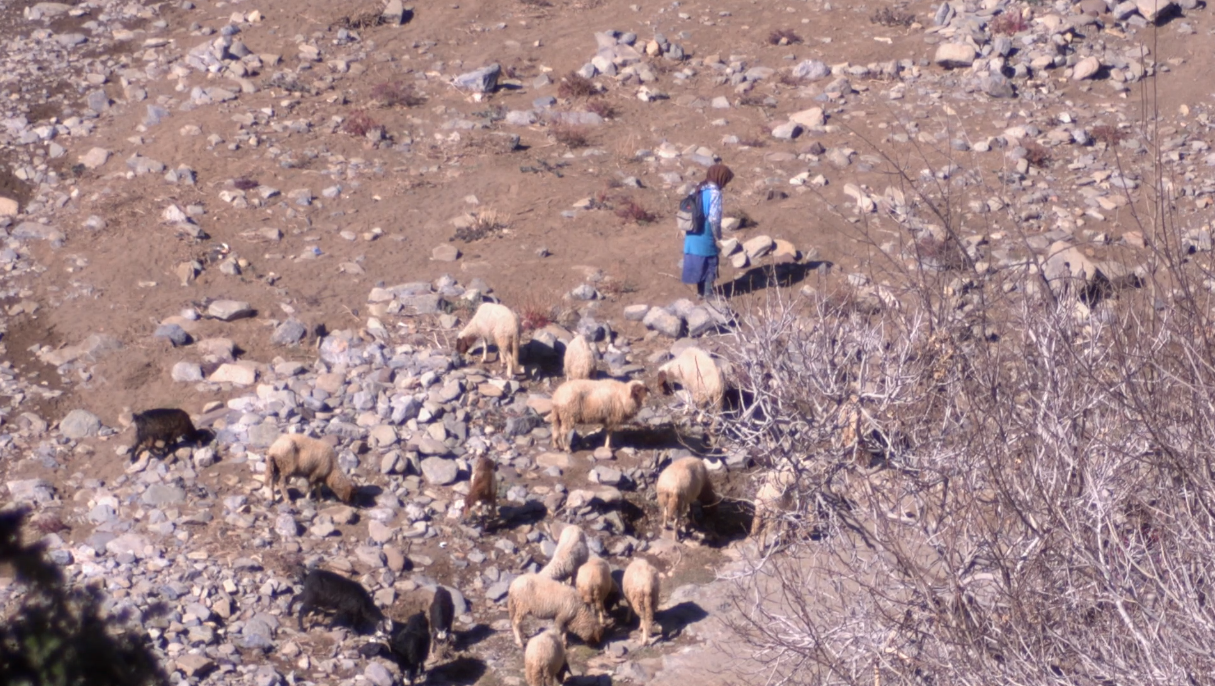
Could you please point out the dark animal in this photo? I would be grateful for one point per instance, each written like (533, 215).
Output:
(164, 424)
(410, 645)
(346, 598)
(442, 612)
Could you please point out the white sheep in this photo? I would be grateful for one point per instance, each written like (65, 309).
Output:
(544, 660)
(681, 482)
(603, 401)
(570, 554)
(298, 455)
(641, 589)
(699, 375)
(775, 496)
(497, 323)
(579, 362)
(594, 584)
(543, 598)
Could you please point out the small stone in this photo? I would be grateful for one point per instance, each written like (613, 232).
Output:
(585, 292)
(758, 246)
(176, 335)
(787, 130)
(954, 55)
(95, 158)
(559, 460)
(290, 332)
(810, 118)
(237, 374)
(1153, 9)
(229, 310)
(1086, 68)
(163, 494)
(395, 14)
(31, 491)
(663, 322)
(811, 70)
(9, 207)
(79, 424)
(445, 252)
(195, 666)
(636, 313)
(187, 372)
(439, 471)
(483, 80)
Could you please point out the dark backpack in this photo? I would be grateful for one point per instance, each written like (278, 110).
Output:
(691, 215)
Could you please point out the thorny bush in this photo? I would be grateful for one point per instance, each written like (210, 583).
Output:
(1022, 494)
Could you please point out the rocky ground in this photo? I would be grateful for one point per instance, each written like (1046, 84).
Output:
(275, 214)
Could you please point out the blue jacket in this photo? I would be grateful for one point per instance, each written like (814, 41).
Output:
(704, 243)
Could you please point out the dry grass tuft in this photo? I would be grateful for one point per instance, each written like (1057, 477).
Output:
(359, 123)
(784, 37)
(601, 107)
(892, 18)
(630, 211)
(1110, 135)
(484, 223)
(396, 94)
(574, 85)
(1008, 24)
(1037, 154)
(536, 311)
(570, 135)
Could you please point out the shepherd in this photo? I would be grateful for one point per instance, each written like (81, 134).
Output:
(700, 255)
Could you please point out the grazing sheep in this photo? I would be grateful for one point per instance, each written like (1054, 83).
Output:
(697, 372)
(442, 612)
(484, 487)
(604, 401)
(163, 424)
(497, 323)
(570, 554)
(543, 598)
(544, 660)
(346, 598)
(410, 645)
(297, 455)
(594, 584)
(682, 481)
(774, 497)
(641, 589)
(579, 360)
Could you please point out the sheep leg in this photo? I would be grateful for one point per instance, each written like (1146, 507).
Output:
(269, 477)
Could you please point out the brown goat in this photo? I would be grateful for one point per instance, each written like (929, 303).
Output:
(484, 488)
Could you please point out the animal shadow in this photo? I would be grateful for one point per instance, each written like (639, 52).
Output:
(467, 639)
(784, 274)
(462, 671)
(674, 620)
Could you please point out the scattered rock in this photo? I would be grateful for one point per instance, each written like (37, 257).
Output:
(230, 310)
(79, 424)
(483, 80)
(954, 55)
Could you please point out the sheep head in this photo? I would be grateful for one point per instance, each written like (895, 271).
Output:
(638, 391)
(664, 384)
(463, 344)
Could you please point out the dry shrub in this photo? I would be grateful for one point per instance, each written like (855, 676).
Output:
(484, 223)
(993, 490)
(892, 18)
(784, 37)
(1008, 24)
(752, 142)
(571, 135)
(1036, 153)
(940, 255)
(538, 4)
(1110, 135)
(601, 107)
(745, 221)
(630, 211)
(612, 287)
(245, 184)
(396, 94)
(574, 85)
(359, 123)
(536, 311)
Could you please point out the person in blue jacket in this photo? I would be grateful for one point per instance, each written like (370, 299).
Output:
(700, 248)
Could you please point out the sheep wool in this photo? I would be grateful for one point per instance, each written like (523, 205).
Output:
(642, 587)
(497, 323)
(544, 659)
(607, 402)
(681, 482)
(543, 598)
(571, 553)
(293, 455)
(579, 362)
(699, 375)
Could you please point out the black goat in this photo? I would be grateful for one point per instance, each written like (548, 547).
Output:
(165, 424)
(346, 598)
(410, 645)
(442, 612)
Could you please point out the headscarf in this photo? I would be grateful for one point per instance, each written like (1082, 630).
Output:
(719, 174)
